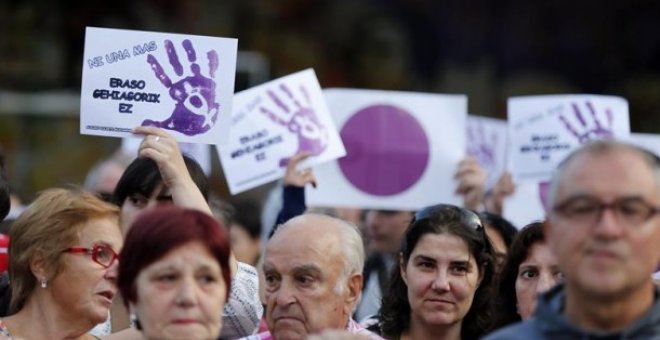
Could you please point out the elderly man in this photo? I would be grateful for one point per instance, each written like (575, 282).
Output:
(602, 225)
(313, 273)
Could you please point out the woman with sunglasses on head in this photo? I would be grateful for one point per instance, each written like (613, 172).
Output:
(63, 266)
(441, 289)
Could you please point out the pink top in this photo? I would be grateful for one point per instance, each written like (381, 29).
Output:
(352, 327)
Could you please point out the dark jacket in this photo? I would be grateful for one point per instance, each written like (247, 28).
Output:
(549, 322)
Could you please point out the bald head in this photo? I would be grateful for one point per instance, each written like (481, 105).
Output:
(598, 148)
(317, 229)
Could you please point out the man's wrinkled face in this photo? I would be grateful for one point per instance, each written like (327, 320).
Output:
(306, 288)
(605, 256)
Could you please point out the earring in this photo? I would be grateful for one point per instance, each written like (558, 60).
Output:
(44, 282)
(134, 321)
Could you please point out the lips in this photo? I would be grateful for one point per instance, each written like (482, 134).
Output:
(107, 294)
(440, 301)
(185, 321)
(603, 254)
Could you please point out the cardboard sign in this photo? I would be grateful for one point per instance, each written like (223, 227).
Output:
(181, 83)
(402, 150)
(487, 142)
(273, 122)
(545, 129)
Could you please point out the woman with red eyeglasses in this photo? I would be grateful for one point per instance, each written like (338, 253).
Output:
(63, 266)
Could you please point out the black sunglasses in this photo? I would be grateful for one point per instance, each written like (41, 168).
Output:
(468, 218)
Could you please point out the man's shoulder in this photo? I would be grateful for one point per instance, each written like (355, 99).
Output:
(523, 330)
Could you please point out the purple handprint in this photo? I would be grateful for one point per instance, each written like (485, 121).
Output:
(595, 131)
(480, 148)
(300, 120)
(196, 110)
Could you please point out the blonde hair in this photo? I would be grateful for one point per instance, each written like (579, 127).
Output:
(47, 227)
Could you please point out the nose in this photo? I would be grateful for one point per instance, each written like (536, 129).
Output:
(285, 295)
(546, 281)
(111, 272)
(441, 282)
(186, 293)
(608, 226)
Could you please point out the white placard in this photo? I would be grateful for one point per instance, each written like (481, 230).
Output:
(402, 150)
(648, 141)
(525, 205)
(199, 152)
(545, 129)
(487, 142)
(181, 83)
(271, 123)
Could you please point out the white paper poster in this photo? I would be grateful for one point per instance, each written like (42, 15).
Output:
(181, 83)
(525, 205)
(545, 129)
(402, 150)
(487, 142)
(271, 123)
(648, 141)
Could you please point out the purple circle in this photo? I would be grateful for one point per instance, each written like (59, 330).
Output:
(387, 150)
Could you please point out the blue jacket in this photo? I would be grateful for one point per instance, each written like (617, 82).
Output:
(549, 322)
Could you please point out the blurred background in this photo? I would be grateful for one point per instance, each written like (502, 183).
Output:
(489, 50)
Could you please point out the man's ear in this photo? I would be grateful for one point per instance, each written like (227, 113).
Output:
(354, 283)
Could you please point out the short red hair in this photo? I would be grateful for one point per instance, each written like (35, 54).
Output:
(158, 231)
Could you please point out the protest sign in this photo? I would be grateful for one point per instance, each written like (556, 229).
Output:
(402, 150)
(525, 205)
(271, 123)
(648, 141)
(487, 142)
(181, 83)
(545, 129)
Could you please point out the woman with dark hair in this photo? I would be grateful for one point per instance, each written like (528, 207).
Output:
(175, 280)
(161, 174)
(529, 269)
(442, 287)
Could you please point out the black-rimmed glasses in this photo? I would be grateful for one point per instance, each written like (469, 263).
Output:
(587, 210)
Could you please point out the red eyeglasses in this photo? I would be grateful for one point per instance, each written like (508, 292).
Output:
(101, 254)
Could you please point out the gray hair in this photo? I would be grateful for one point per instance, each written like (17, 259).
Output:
(599, 147)
(352, 247)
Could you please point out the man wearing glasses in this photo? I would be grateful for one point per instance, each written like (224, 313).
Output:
(602, 225)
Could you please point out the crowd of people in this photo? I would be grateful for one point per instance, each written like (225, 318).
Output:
(145, 251)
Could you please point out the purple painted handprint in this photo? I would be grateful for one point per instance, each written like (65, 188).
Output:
(300, 120)
(196, 110)
(589, 132)
(480, 147)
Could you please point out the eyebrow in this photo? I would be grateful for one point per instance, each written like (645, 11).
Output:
(307, 269)
(425, 258)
